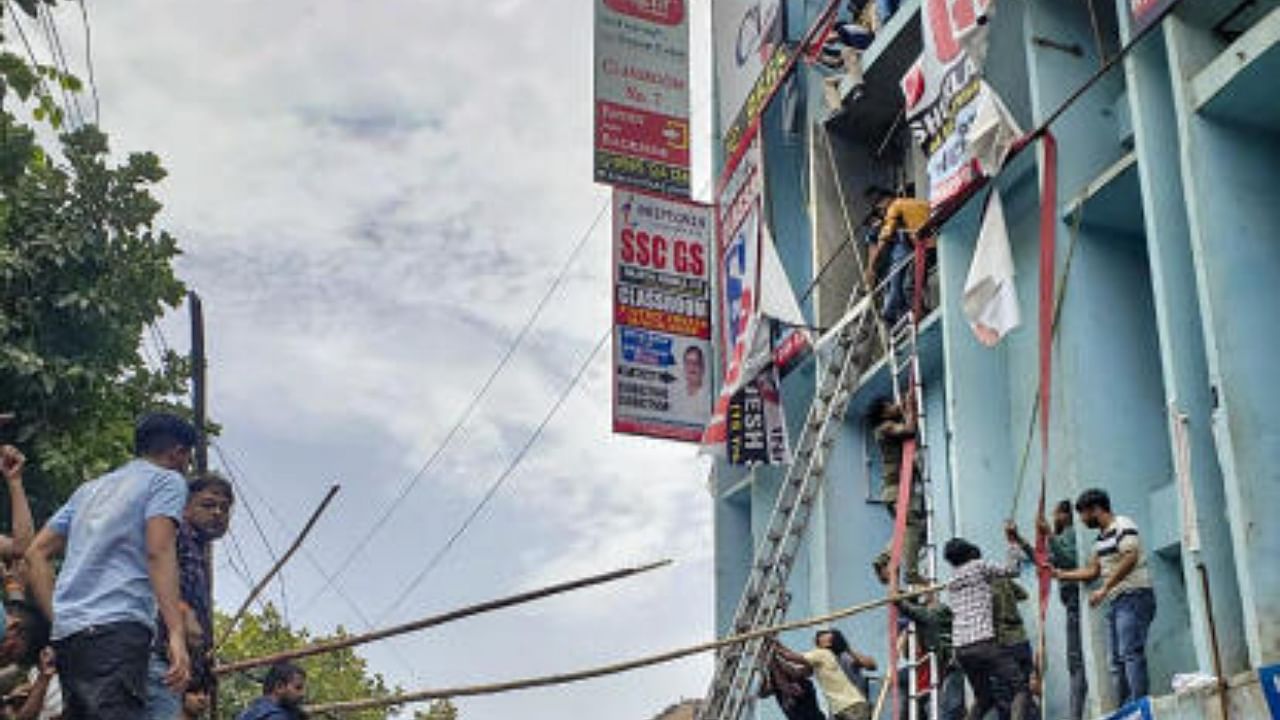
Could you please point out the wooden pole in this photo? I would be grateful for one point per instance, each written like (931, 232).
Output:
(434, 620)
(614, 669)
(199, 404)
(275, 569)
(1224, 703)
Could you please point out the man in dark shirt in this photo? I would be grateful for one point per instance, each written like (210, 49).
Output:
(283, 692)
(205, 519)
(893, 427)
(933, 628)
(1064, 555)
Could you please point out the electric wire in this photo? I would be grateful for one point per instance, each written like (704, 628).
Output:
(88, 62)
(498, 482)
(44, 18)
(240, 481)
(472, 405)
(31, 55)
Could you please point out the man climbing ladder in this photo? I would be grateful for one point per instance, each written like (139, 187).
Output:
(894, 425)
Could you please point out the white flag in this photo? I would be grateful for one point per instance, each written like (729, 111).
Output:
(990, 297)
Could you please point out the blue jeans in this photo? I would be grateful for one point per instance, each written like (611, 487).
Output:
(895, 293)
(952, 701)
(162, 703)
(1128, 620)
(1075, 658)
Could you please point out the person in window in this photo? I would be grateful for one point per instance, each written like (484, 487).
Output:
(892, 428)
(1126, 590)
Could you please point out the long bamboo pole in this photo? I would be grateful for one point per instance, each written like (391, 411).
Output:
(434, 620)
(275, 569)
(613, 669)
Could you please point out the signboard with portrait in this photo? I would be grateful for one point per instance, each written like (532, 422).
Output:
(662, 316)
(642, 95)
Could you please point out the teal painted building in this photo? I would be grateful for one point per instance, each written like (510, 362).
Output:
(1169, 206)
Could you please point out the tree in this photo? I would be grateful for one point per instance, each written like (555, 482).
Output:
(83, 270)
(340, 675)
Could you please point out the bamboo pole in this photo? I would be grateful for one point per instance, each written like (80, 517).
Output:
(434, 620)
(275, 569)
(613, 669)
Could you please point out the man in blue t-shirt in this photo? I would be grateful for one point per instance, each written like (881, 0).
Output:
(118, 536)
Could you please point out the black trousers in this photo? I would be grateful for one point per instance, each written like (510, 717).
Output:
(986, 661)
(103, 672)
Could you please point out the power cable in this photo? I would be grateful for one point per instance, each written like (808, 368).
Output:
(31, 55)
(516, 342)
(257, 524)
(241, 482)
(44, 17)
(502, 478)
(88, 61)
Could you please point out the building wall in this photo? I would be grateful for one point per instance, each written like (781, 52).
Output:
(1167, 227)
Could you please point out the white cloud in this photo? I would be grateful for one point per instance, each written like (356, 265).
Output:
(371, 197)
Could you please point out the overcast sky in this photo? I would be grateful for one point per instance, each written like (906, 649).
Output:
(371, 196)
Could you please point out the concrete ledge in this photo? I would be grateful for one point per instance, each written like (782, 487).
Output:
(1239, 85)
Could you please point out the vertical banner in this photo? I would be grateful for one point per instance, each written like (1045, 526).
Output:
(662, 316)
(748, 425)
(947, 100)
(642, 95)
(739, 209)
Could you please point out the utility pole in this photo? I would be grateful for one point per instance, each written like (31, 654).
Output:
(198, 364)
(200, 408)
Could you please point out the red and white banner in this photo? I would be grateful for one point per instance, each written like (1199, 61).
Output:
(947, 100)
(642, 95)
(662, 316)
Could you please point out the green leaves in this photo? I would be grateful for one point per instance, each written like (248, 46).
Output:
(341, 675)
(83, 271)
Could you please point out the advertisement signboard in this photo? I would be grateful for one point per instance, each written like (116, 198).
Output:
(747, 36)
(642, 95)
(944, 92)
(662, 316)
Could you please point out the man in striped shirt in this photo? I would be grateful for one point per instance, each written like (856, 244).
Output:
(1126, 589)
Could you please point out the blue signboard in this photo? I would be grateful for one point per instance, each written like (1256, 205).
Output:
(1136, 710)
(1269, 678)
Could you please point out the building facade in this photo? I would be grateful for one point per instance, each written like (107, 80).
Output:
(1168, 274)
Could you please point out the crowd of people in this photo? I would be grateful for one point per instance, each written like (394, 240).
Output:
(107, 612)
(977, 634)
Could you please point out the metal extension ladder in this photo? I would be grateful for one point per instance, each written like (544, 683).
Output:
(763, 601)
(904, 366)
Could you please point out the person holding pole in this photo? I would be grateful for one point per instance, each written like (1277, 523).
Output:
(118, 534)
